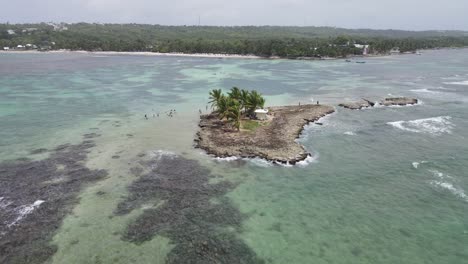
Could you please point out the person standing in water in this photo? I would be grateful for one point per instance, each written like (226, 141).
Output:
(146, 117)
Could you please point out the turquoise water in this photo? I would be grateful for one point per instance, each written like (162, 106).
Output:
(387, 185)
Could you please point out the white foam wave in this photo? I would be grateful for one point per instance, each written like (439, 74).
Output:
(310, 159)
(4, 203)
(24, 210)
(458, 83)
(440, 175)
(449, 186)
(434, 125)
(266, 163)
(416, 163)
(349, 133)
(261, 162)
(424, 91)
(232, 158)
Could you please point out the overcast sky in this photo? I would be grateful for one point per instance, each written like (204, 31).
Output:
(380, 14)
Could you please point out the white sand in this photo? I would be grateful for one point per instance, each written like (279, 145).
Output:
(139, 53)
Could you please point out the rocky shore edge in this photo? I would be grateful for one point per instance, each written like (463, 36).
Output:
(274, 140)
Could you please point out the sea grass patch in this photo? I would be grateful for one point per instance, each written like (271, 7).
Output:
(202, 231)
(35, 196)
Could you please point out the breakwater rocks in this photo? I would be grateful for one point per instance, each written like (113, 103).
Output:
(274, 140)
(392, 101)
(358, 105)
(399, 101)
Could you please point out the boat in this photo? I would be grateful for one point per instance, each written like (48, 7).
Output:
(360, 62)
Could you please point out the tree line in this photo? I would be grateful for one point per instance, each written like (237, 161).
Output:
(288, 42)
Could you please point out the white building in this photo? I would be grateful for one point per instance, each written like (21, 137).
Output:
(395, 50)
(365, 48)
(11, 32)
(6, 48)
(261, 114)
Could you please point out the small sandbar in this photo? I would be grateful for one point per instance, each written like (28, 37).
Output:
(273, 139)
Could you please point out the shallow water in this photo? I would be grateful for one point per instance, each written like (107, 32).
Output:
(385, 185)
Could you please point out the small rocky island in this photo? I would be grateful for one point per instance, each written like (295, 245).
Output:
(225, 134)
(364, 103)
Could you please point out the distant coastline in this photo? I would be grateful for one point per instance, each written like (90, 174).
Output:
(137, 53)
(207, 55)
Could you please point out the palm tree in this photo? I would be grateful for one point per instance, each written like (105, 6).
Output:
(215, 96)
(235, 93)
(244, 99)
(255, 101)
(223, 106)
(235, 113)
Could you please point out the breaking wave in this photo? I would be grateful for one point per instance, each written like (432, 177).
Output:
(424, 90)
(266, 163)
(458, 83)
(450, 187)
(23, 211)
(434, 125)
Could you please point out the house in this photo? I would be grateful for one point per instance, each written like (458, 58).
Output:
(11, 32)
(395, 50)
(6, 48)
(261, 114)
(20, 47)
(365, 48)
(28, 30)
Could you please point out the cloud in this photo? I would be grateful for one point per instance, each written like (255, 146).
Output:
(397, 14)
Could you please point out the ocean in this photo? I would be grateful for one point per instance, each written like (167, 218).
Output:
(92, 180)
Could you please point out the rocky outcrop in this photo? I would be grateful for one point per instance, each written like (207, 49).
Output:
(399, 101)
(274, 141)
(364, 103)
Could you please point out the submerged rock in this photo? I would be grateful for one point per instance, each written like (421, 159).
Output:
(200, 230)
(275, 140)
(36, 196)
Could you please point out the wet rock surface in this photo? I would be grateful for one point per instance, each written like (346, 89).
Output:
(201, 230)
(364, 103)
(399, 101)
(275, 141)
(358, 105)
(35, 196)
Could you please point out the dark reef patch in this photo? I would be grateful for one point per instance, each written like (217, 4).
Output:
(36, 196)
(91, 135)
(38, 151)
(202, 231)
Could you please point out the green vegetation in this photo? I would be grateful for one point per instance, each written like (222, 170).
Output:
(236, 105)
(267, 41)
(250, 124)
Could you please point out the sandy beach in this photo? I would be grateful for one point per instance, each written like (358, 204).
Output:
(137, 53)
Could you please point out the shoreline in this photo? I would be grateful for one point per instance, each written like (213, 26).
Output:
(207, 55)
(136, 53)
(275, 140)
